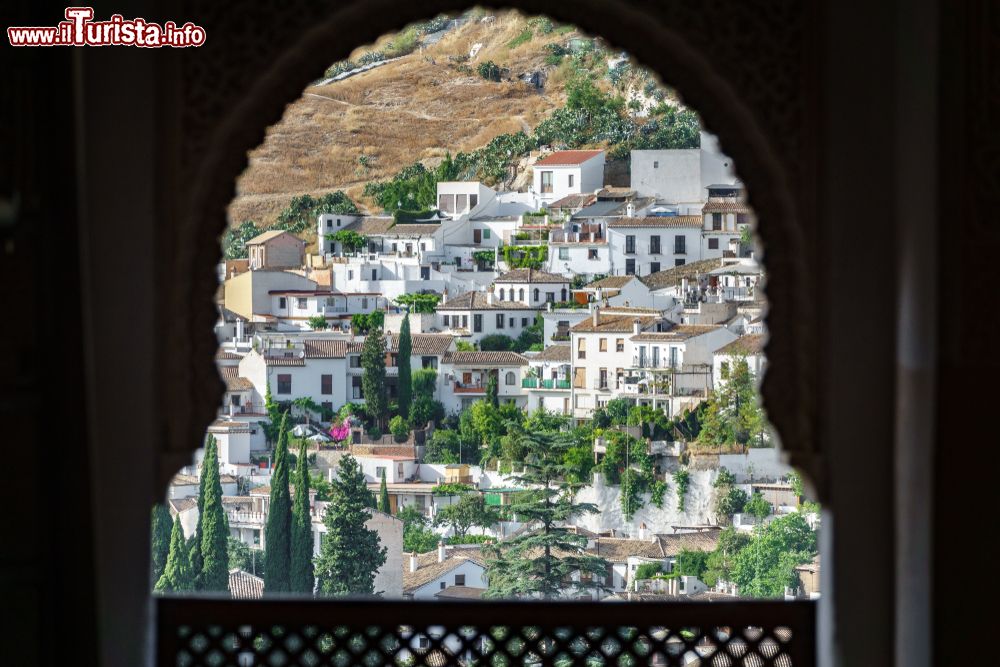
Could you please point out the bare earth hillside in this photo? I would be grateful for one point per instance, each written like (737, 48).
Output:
(414, 108)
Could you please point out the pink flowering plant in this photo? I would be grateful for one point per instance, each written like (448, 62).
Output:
(340, 432)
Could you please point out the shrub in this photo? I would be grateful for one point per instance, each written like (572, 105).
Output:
(375, 433)
(399, 429)
(681, 479)
(489, 70)
(522, 38)
(317, 322)
(496, 342)
(648, 570)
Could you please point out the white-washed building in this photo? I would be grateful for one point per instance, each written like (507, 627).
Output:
(466, 375)
(568, 172)
(549, 379)
(642, 246)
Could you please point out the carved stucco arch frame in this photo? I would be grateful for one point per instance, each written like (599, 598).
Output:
(191, 386)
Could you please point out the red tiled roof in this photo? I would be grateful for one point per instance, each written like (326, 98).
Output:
(567, 158)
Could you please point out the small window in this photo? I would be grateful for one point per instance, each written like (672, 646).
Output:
(473, 201)
(602, 344)
(500, 320)
(338, 222)
(656, 164)
(546, 182)
(713, 244)
(477, 323)
(364, 303)
(445, 320)
(486, 233)
(630, 244)
(502, 292)
(355, 361)
(563, 253)
(284, 384)
(629, 267)
(678, 262)
(571, 180)
(592, 253)
(350, 275)
(443, 585)
(301, 303)
(654, 267)
(550, 297)
(520, 295)
(326, 384)
(329, 223)
(510, 323)
(716, 221)
(654, 245)
(619, 345)
(459, 579)
(510, 380)
(536, 293)
(680, 244)
(282, 302)
(581, 348)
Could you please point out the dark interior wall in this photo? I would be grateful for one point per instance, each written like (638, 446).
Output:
(46, 563)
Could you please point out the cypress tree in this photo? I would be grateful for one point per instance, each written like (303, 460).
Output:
(351, 553)
(278, 531)
(492, 390)
(177, 576)
(160, 533)
(214, 574)
(373, 376)
(405, 393)
(301, 554)
(383, 496)
(194, 543)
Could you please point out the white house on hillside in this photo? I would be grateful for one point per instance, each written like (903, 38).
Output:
(568, 172)
(641, 246)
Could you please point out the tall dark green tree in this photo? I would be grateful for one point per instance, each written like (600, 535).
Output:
(278, 531)
(492, 390)
(301, 552)
(214, 574)
(539, 561)
(351, 554)
(177, 576)
(403, 363)
(734, 413)
(373, 377)
(383, 496)
(160, 529)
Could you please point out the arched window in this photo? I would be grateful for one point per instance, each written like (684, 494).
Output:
(563, 294)
(520, 294)
(510, 378)
(536, 295)
(501, 294)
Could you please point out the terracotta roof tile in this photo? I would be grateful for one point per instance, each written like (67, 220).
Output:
(693, 221)
(726, 205)
(611, 324)
(748, 344)
(429, 569)
(673, 276)
(245, 586)
(271, 234)
(488, 358)
(567, 158)
(231, 376)
(531, 276)
(480, 301)
(558, 353)
(678, 333)
(370, 225)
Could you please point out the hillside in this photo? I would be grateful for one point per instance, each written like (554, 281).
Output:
(423, 105)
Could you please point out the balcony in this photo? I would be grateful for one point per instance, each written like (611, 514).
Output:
(576, 237)
(469, 388)
(553, 384)
(312, 631)
(659, 364)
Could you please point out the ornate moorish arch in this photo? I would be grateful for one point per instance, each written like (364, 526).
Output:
(746, 66)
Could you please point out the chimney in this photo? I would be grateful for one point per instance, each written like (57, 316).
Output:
(413, 561)
(630, 210)
(444, 296)
(489, 298)
(599, 294)
(596, 315)
(643, 533)
(636, 327)
(441, 551)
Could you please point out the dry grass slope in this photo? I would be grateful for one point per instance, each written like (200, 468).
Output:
(415, 108)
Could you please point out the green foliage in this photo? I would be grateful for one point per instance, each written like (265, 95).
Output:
(301, 547)
(423, 381)
(525, 256)
(795, 479)
(681, 480)
(301, 212)
(317, 323)
(363, 323)
(491, 390)
(657, 491)
(729, 501)
(648, 570)
(399, 428)
(631, 493)
(523, 38)
(160, 528)
(691, 563)
(724, 478)
(306, 406)
(405, 349)
(487, 257)
(489, 70)
(530, 337)
(470, 510)
(720, 562)
(443, 447)
(452, 489)
(322, 487)
(278, 530)
(496, 342)
(733, 413)
(242, 557)
(417, 537)
(537, 562)
(350, 554)
(623, 451)
(349, 240)
(617, 410)
(234, 240)
(213, 525)
(766, 565)
(425, 409)
(464, 346)
(177, 576)
(419, 303)
(383, 497)
(373, 376)
(414, 188)
(403, 43)
(758, 507)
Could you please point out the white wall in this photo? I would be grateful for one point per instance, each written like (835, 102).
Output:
(587, 177)
(644, 259)
(329, 223)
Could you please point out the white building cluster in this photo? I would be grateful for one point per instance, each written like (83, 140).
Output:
(643, 292)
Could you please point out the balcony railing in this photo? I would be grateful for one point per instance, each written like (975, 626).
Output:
(469, 388)
(193, 631)
(536, 383)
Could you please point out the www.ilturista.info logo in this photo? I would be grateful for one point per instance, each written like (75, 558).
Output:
(79, 29)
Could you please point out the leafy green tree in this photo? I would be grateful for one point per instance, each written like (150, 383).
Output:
(766, 565)
(617, 409)
(160, 528)
(383, 496)
(733, 413)
(496, 343)
(177, 576)
(417, 537)
(758, 507)
(443, 447)
(278, 530)
(403, 364)
(730, 500)
(399, 428)
(373, 377)
(306, 406)
(419, 303)
(234, 240)
(530, 336)
(350, 554)
(470, 510)
(317, 323)
(300, 576)
(242, 557)
(648, 571)
(214, 574)
(538, 561)
(692, 563)
(271, 426)
(349, 240)
(719, 564)
(491, 390)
